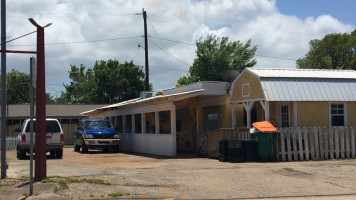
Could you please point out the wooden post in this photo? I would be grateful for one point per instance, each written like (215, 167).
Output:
(316, 143)
(282, 133)
(353, 143)
(321, 143)
(289, 149)
(326, 143)
(300, 143)
(331, 140)
(337, 149)
(306, 141)
(347, 139)
(294, 140)
(342, 143)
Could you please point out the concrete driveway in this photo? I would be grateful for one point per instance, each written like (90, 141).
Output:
(140, 176)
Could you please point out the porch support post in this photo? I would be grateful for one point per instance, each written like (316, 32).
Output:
(265, 106)
(157, 122)
(295, 115)
(133, 123)
(115, 121)
(198, 118)
(174, 129)
(248, 107)
(143, 123)
(124, 128)
(233, 115)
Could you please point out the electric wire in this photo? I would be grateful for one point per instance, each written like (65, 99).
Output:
(169, 54)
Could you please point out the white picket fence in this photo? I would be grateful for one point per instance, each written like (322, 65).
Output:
(11, 143)
(316, 143)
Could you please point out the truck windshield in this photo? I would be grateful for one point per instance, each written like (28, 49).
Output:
(98, 125)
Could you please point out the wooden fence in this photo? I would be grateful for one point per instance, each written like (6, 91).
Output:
(316, 143)
(11, 143)
(208, 143)
(293, 144)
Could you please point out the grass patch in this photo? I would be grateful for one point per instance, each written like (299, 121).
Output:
(68, 146)
(25, 194)
(115, 194)
(289, 169)
(91, 196)
(55, 190)
(63, 184)
(4, 185)
(95, 181)
(349, 160)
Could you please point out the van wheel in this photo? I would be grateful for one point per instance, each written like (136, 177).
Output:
(84, 147)
(76, 147)
(59, 153)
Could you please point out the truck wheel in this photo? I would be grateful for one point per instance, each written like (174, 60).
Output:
(117, 149)
(59, 153)
(84, 147)
(52, 153)
(76, 147)
(21, 154)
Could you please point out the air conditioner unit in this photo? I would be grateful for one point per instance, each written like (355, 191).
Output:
(146, 94)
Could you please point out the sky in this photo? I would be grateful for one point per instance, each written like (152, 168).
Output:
(84, 31)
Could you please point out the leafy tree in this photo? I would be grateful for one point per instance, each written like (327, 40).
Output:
(108, 82)
(18, 88)
(216, 55)
(334, 51)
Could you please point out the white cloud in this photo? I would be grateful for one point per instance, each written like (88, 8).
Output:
(275, 34)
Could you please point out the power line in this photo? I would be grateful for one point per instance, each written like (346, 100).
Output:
(167, 68)
(275, 57)
(53, 89)
(79, 42)
(170, 54)
(169, 40)
(152, 26)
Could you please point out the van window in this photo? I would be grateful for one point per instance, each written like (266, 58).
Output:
(51, 127)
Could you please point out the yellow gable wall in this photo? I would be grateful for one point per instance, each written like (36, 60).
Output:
(255, 87)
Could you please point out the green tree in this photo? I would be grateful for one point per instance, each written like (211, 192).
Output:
(334, 51)
(216, 55)
(108, 82)
(18, 88)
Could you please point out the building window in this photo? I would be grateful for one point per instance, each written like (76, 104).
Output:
(150, 122)
(212, 118)
(337, 114)
(285, 116)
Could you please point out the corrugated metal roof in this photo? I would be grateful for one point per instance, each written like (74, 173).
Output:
(52, 110)
(172, 97)
(306, 89)
(303, 73)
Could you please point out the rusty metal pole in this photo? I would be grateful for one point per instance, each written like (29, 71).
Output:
(40, 138)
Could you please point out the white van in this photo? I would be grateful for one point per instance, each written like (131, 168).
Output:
(54, 138)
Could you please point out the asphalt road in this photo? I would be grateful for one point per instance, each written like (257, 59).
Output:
(141, 176)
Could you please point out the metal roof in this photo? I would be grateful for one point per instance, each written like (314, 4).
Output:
(307, 89)
(52, 110)
(303, 73)
(171, 97)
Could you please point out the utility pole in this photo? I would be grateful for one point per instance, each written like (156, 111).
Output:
(3, 89)
(144, 14)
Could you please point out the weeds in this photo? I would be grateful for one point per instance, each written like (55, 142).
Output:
(115, 194)
(289, 169)
(95, 181)
(55, 190)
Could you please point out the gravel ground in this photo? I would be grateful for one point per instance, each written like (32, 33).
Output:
(100, 175)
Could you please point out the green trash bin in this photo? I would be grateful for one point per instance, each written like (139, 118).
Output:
(266, 145)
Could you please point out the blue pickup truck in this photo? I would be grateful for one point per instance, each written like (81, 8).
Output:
(96, 134)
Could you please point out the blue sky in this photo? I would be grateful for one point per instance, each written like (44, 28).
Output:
(343, 10)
